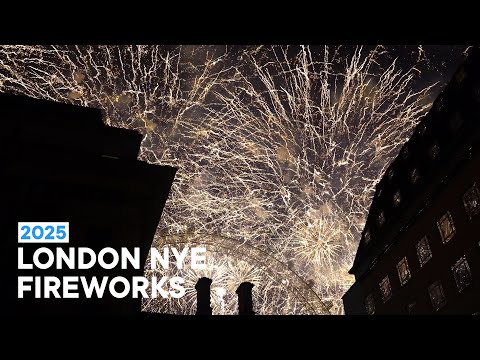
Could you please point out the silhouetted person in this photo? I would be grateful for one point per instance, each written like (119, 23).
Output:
(245, 303)
(203, 296)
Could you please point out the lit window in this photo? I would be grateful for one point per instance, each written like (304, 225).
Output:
(456, 121)
(390, 174)
(397, 198)
(446, 227)
(423, 251)
(476, 91)
(370, 304)
(381, 218)
(462, 274)
(414, 176)
(411, 307)
(439, 103)
(366, 237)
(460, 75)
(434, 151)
(385, 289)
(437, 296)
(471, 201)
(403, 271)
(422, 129)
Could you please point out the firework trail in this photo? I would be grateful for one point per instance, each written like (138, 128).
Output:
(278, 149)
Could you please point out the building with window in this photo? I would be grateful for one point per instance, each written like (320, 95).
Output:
(420, 248)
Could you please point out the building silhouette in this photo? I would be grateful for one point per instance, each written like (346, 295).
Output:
(420, 249)
(245, 301)
(62, 163)
(203, 296)
(244, 294)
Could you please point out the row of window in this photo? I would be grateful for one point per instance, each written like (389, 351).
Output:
(461, 270)
(461, 273)
(463, 278)
(414, 177)
(471, 202)
(397, 199)
(455, 120)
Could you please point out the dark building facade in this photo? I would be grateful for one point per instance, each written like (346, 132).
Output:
(420, 248)
(62, 163)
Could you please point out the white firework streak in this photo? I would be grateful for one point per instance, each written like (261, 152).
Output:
(274, 150)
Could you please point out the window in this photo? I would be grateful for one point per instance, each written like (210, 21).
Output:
(446, 227)
(414, 176)
(462, 274)
(366, 237)
(439, 103)
(437, 296)
(423, 251)
(403, 271)
(390, 174)
(456, 121)
(471, 201)
(434, 151)
(411, 307)
(397, 198)
(370, 304)
(476, 91)
(422, 129)
(381, 218)
(460, 75)
(385, 289)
